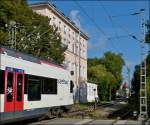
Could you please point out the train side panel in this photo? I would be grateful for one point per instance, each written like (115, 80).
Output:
(32, 108)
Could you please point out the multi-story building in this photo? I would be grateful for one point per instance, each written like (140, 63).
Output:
(72, 36)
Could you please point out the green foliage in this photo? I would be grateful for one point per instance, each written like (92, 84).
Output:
(114, 62)
(93, 62)
(106, 72)
(136, 80)
(147, 36)
(34, 34)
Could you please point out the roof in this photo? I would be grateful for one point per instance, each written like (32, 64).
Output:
(61, 15)
(27, 57)
(125, 85)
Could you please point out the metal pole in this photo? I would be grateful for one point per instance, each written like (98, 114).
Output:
(12, 34)
(149, 11)
(12, 37)
(76, 79)
(149, 25)
(143, 86)
(15, 44)
(129, 80)
(79, 79)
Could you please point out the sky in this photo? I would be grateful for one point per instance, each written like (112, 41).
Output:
(108, 24)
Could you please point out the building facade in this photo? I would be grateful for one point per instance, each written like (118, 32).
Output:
(88, 92)
(73, 37)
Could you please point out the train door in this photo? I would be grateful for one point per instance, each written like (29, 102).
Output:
(19, 88)
(14, 90)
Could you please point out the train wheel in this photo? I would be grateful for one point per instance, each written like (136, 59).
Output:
(59, 113)
(50, 114)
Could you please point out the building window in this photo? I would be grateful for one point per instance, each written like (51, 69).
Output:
(73, 48)
(64, 29)
(71, 86)
(2, 77)
(25, 84)
(49, 86)
(34, 88)
(59, 26)
(54, 18)
(54, 24)
(64, 40)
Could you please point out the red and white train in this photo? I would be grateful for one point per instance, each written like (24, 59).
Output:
(31, 87)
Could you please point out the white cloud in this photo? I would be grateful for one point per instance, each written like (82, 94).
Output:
(98, 44)
(74, 16)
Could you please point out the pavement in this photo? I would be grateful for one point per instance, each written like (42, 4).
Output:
(71, 121)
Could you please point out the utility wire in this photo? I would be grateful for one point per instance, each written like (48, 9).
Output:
(96, 25)
(124, 28)
(100, 29)
(112, 22)
(110, 19)
(113, 25)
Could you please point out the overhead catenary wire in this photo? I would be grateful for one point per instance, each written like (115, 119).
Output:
(113, 25)
(111, 21)
(96, 25)
(116, 37)
(124, 28)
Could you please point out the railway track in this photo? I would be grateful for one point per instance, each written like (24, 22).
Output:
(84, 112)
(124, 113)
(81, 113)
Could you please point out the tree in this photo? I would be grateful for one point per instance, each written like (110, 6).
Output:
(147, 36)
(93, 61)
(136, 80)
(98, 74)
(104, 75)
(114, 63)
(34, 34)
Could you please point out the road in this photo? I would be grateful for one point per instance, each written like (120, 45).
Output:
(70, 121)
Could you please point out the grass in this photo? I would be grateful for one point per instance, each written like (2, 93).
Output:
(80, 106)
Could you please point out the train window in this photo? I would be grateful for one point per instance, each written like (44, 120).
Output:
(19, 87)
(71, 86)
(25, 84)
(10, 87)
(34, 89)
(2, 82)
(49, 86)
